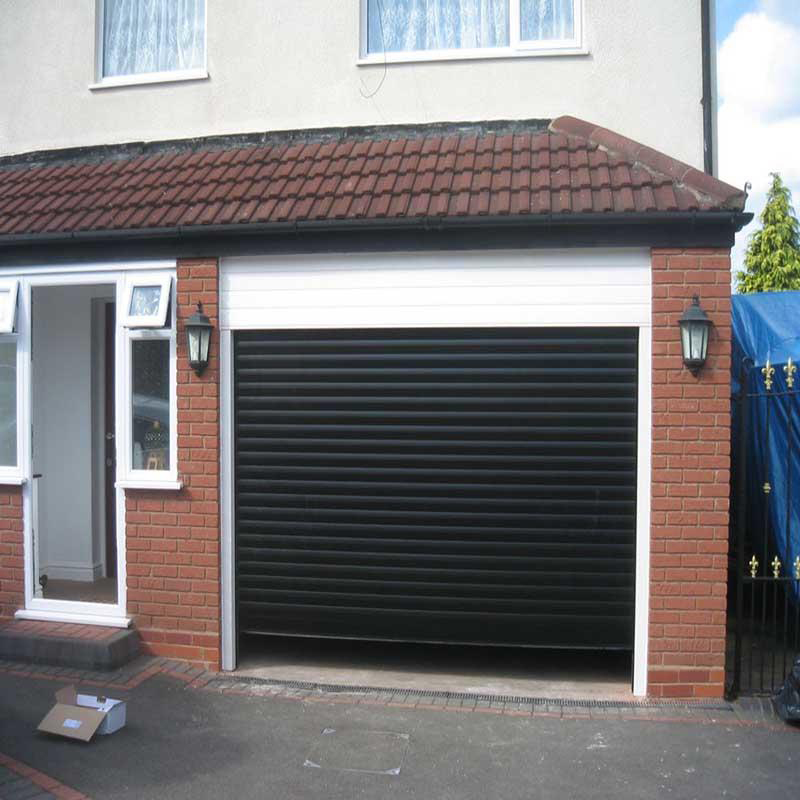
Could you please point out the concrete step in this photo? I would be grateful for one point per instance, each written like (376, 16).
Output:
(62, 644)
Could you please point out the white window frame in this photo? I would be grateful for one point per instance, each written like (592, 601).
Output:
(14, 474)
(517, 48)
(9, 291)
(128, 477)
(157, 320)
(102, 82)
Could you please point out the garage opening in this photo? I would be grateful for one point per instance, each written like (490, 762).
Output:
(460, 486)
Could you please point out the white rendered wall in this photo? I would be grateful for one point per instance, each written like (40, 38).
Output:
(62, 425)
(289, 64)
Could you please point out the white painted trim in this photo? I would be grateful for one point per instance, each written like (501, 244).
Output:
(493, 54)
(110, 269)
(517, 47)
(79, 618)
(145, 78)
(127, 476)
(227, 556)
(12, 480)
(73, 571)
(167, 486)
(608, 287)
(49, 275)
(643, 492)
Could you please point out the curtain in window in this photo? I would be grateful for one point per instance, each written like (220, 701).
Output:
(153, 36)
(547, 19)
(405, 25)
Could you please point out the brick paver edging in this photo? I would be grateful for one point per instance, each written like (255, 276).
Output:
(749, 712)
(50, 786)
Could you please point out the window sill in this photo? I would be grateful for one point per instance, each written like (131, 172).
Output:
(79, 618)
(165, 485)
(12, 480)
(148, 78)
(422, 56)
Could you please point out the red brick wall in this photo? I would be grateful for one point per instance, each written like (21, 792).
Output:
(173, 538)
(690, 486)
(12, 581)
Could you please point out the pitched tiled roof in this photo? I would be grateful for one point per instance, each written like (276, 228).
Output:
(571, 167)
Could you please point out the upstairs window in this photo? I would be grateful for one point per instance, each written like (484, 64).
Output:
(460, 28)
(152, 37)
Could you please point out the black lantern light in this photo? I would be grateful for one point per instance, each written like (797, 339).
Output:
(198, 338)
(695, 329)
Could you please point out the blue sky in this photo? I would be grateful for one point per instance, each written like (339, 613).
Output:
(758, 67)
(728, 11)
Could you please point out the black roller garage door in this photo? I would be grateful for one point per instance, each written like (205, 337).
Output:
(449, 485)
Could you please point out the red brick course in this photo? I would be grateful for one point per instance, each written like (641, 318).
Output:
(40, 780)
(173, 538)
(12, 582)
(690, 480)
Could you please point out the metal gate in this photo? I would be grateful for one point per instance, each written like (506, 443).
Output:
(447, 485)
(765, 624)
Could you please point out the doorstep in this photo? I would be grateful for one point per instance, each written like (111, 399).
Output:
(66, 644)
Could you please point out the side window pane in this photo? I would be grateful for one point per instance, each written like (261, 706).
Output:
(407, 25)
(151, 387)
(8, 404)
(153, 36)
(547, 19)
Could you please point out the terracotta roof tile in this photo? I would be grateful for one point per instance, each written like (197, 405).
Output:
(573, 167)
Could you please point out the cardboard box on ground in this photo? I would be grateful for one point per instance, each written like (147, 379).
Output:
(81, 716)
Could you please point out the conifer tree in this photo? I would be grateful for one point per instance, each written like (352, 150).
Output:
(772, 260)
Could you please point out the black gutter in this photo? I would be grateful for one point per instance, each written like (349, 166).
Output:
(735, 220)
(707, 100)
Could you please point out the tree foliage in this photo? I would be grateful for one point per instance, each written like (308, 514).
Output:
(772, 260)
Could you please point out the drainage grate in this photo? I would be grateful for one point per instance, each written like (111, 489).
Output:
(338, 688)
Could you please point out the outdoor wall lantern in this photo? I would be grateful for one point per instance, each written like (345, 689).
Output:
(198, 338)
(695, 328)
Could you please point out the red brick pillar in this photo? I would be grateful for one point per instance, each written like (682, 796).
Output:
(12, 567)
(691, 480)
(173, 538)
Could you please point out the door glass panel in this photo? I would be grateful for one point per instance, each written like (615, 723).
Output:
(151, 428)
(8, 404)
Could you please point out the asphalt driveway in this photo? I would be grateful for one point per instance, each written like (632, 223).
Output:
(182, 742)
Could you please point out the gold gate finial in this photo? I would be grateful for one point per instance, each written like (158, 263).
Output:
(790, 370)
(797, 568)
(768, 371)
(776, 567)
(753, 567)
(767, 487)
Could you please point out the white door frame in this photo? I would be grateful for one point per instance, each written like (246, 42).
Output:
(109, 273)
(50, 608)
(635, 314)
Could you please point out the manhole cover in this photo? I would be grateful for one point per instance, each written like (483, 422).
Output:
(377, 752)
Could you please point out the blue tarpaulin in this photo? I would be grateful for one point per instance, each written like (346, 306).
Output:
(766, 328)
